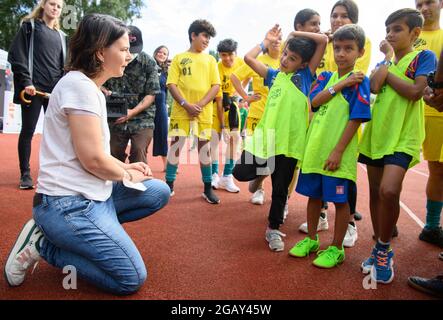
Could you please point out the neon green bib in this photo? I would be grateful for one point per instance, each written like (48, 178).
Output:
(282, 129)
(397, 123)
(325, 131)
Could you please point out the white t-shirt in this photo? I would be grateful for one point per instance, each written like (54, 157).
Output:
(61, 173)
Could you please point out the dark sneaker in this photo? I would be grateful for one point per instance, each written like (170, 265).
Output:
(26, 182)
(432, 286)
(357, 216)
(434, 236)
(171, 186)
(209, 195)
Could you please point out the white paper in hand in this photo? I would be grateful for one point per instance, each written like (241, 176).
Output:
(137, 186)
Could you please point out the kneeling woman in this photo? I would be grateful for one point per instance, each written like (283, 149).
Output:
(83, 193)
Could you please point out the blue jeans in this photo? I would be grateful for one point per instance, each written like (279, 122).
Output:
(88, 234)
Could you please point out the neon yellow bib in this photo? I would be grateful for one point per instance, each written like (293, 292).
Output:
(325, 131)
(397, 123)
(282, 129)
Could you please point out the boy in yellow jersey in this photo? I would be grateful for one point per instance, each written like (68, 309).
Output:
(391, 142)
(226, 117)
(340, 101)
(193, 81)
(278, 142)
(257, 103)
(431, 38)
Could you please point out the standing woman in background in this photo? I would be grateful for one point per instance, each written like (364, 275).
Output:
(37, 56)
(160, 148)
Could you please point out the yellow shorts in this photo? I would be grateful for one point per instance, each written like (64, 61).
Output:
(216, 122)
(183, 128)
(433, 144)
(251, 124)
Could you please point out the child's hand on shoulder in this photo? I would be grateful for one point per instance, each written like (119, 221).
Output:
(355, 78)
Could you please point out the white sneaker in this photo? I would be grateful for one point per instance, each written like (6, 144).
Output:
(351, 236)
(274, 238)
(23, 255)
(228, 184)
(215, 180)
(258, 197)
(322, 225)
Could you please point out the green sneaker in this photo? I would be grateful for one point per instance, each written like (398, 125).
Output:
(330, 257)
(305, 247)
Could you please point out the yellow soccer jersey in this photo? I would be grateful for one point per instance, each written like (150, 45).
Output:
(328, 62)
(194, 74)
(432, 40)
(257, 108)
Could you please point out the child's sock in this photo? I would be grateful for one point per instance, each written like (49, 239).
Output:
(215, 167)
(206, 174)
(383, 245)
(433, 214)
(229, 166)
(171, 172)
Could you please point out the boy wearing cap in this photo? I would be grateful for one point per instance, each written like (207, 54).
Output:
(140, 78)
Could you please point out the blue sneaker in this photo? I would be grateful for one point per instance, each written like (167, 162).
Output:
(382, 270)
(369, 262)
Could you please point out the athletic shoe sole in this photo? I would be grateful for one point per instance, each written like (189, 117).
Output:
(22, 238)
(209, 200)
(26, 187)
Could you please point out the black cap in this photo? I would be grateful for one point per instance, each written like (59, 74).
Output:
(135, 40)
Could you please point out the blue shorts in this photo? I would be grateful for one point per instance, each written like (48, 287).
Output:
(318, 186)
(400, 159)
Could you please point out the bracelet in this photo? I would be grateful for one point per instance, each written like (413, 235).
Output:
(182, 103)
(262, 47)
(386, 63)
(332, 91)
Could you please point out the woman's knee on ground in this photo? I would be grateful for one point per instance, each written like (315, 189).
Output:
(132, 282)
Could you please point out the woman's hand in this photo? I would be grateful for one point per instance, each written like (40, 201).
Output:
(30, 90)
(140, 167)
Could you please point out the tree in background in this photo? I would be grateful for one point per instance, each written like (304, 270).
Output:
(12, 11)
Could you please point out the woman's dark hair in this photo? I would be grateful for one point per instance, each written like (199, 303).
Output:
(351, 8)
(199, 26)
(164, 65)
(95, 32)
(413, 18)
(304, 47)
(304, 16)
(227, 45)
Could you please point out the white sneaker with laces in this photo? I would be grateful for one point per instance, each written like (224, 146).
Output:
(322, 225)
(24, 254)
(227, 183)
(215, 180)
(274, 238)
(351, 236)
(258, 197)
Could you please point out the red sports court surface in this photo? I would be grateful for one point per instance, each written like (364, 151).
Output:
(195, 250)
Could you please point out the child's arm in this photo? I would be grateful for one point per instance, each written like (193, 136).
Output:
(320, 39)
(325, 95)
(251, 57)
(413, 91)
(193, 109)
(378, 77)
(241, 91)
(334, 160)
(210, 95)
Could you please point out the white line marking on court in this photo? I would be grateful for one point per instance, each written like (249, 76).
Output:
(419, 172)
(403, 206)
